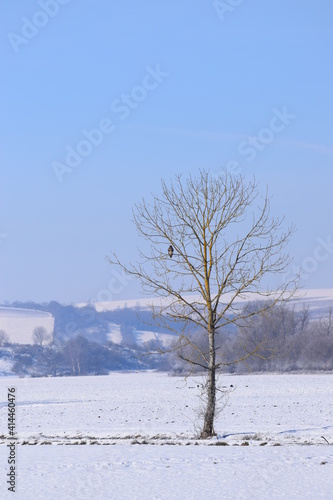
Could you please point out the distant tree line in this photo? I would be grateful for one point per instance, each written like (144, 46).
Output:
(76, 356)
(290, 339)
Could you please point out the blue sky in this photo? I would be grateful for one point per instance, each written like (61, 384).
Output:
(174, 86)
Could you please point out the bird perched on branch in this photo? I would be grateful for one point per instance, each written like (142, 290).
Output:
(170, 251)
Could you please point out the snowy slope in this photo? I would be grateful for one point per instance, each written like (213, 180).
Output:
(314, 298)
(140, 337)
(19, 324)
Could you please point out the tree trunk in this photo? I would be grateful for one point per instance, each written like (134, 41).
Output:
(208, 427)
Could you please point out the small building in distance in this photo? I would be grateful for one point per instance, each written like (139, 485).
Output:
(19, 324)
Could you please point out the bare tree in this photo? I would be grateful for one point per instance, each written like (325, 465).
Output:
(40, 335)
(4, 339)
(78, 352)
(225, 245)
(326, 323)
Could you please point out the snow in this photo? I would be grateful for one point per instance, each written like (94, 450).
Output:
(140, 337)
(172, 472)
(114, 334)
(144, 336)
(17, 312)
(314, 298)
(274, 430)
(5, 366)
(19, 324)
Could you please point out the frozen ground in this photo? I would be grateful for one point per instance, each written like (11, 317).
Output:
(172, 472)
(272, 438)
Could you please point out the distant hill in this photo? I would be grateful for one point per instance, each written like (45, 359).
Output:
(19, 324)
(118, 336)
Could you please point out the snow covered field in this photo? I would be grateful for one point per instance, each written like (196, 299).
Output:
(316, 299)
(272, 438)
(19, 324)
